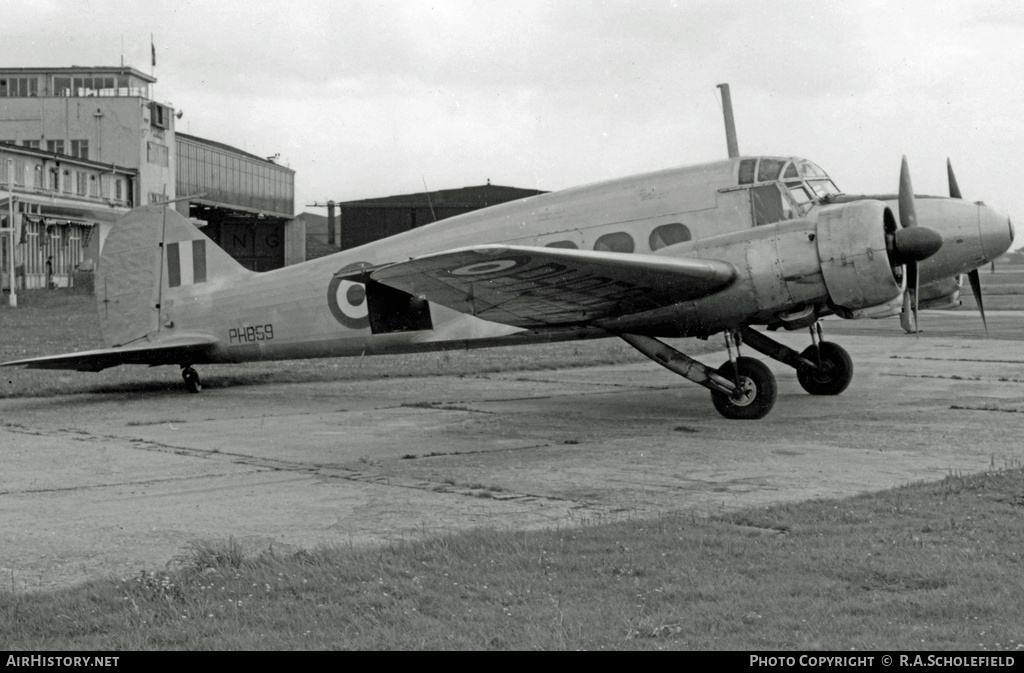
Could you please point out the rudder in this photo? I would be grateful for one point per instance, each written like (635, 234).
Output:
(132, 275)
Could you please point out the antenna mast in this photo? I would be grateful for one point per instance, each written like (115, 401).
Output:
(730, 123)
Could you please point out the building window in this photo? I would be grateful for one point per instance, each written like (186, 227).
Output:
(80, 149)
(55, 146)
(94, 186)
(61, 86)
(66, 186)
(157, 154)
(81, 183)
(19, 87)
(31, 144)
(160, 115)
(118, 190)
(55, 179)
(620, 241)
(19, 172)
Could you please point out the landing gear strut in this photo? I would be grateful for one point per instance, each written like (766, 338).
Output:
(742, 388)
(192, 383)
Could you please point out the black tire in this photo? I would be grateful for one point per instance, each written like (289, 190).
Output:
(192, 382)
(758, 390)
(836, 369)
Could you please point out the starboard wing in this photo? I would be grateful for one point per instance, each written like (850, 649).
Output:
(532, 287)
(180, 350)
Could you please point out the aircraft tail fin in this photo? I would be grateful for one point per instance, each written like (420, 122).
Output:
(151, 255)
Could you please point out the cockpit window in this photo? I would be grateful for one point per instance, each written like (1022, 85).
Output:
(811, 170)
(747, 171)
(769, 169)
(823, 189)
(801, 197)
(791, 172)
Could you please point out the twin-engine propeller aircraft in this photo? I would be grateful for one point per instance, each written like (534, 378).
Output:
(689, 252)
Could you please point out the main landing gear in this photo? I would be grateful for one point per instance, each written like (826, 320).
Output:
(191, 376)
(823, 368)
(744, 388)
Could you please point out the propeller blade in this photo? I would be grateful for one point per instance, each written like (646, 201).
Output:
(917, 295)
(954, 189)
(908, 214)
(910, 245)
(910, 303)
(973, 276)
(975, 279)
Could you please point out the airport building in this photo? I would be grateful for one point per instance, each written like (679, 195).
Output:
(80, 146)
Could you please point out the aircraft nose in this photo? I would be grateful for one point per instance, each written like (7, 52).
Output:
(996, 232)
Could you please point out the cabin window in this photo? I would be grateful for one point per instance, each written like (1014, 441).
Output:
(562, 244)
(620, 241)
(669, 234)
(767, 205)
(769, 169)
(747, 171)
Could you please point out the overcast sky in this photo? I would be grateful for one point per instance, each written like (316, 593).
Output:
(376, 97)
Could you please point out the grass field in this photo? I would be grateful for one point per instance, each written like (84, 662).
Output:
(1001, 291)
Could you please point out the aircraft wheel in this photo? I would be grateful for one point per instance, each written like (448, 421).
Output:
(836, 369)
(757, 393)
(192, 383)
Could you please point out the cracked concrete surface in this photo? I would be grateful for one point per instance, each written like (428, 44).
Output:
(107, 484)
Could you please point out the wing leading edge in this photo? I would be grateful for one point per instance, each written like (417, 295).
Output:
(532, 287)
(181, 350)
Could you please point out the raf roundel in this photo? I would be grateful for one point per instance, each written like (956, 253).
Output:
(347, 300)
(484, 268)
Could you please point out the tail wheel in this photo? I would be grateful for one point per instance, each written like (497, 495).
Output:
(834, 373)
(192, 383)
(756, 394)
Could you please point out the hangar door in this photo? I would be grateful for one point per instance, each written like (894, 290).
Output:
(258, 245)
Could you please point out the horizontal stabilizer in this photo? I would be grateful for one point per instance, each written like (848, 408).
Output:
(179, 350)
(533, 287)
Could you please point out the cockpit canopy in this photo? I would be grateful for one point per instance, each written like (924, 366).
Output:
(783, 188)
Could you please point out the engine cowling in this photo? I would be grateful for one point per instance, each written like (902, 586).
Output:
(854, 258)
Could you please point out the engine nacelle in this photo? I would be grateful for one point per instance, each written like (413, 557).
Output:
(943, 293)
(854, 259)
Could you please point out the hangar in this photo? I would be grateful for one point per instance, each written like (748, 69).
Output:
(372, 219)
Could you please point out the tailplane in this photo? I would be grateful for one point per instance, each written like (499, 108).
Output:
(150, 254)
